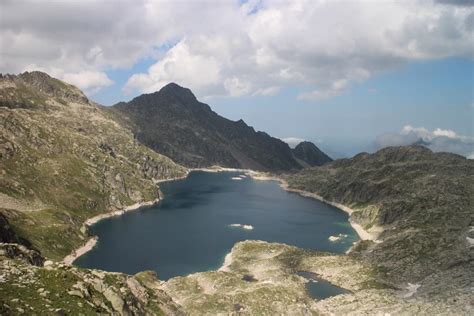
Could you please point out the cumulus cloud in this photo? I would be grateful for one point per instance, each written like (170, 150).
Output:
(201, 72)
(89, 81)
(437, 140)
(229, 48)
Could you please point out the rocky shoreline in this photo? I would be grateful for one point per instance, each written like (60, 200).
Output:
(91, 242)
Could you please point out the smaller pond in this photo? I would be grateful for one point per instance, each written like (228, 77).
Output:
(320, 289)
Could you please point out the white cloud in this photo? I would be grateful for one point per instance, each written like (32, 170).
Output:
(336, 88)
(222, 48)
(292, 141)
(267, 91)
(180, 65)
(444, 132)
(437, 140)
(89, 81)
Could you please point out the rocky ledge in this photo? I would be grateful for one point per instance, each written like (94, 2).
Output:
(60, 289)
(261, 278)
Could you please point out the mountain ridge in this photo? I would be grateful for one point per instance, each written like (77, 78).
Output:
(172, 121)
(410, 196)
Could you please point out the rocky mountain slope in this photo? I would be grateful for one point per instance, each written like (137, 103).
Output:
(63, 159)
(173, 122)
(419, 203)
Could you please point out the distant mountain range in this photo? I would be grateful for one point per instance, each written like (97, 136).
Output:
(174, 123)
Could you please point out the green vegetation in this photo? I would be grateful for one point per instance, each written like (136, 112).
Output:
(64, 160)
(61, 289)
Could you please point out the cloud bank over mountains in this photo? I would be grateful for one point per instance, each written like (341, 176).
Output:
(436, 140)
(229, 48)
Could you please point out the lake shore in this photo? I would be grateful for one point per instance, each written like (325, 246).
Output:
(222, 169)
(91, 242)
(256, 175)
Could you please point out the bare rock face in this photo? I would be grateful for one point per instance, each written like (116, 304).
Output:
(65, 159)
(20, 252)
(173, 122)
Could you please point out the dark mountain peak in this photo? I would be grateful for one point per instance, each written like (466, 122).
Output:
(306, 144)
(172, 86)
(174, 90)
(171, 95)
(173, 122)
(310, 154)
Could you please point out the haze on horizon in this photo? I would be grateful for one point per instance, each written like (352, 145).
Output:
(347, 75)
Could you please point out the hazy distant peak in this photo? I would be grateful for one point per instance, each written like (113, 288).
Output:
(310, 154)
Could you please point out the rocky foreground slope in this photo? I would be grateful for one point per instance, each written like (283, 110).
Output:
(173, 122)
(31, 286)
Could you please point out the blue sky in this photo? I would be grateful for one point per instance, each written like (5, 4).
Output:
(430, 94)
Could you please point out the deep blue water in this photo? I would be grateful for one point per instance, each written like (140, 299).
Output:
(189, 230)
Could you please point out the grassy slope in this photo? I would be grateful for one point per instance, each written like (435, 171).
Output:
(63, 160)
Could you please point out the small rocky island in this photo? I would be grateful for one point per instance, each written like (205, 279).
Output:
(65, 159)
